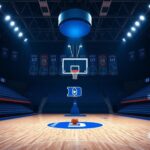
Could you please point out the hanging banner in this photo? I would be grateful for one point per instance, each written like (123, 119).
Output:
(103, 65)
(113, 67)
(14, 56)
(4, 53)
(92, 65)
(131, 56)
(33, 65)
(53, 68)
(43, 65)
(141, 53)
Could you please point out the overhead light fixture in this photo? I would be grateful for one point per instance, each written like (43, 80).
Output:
(75, 23)
(124, 40)
(20, 34)
(12, 23)
(0, 6)
(25, 40)
(142, 18)
(16, 29)
(7, 18)
(149, 6)
(129, 34)
(133, 29)
(137, 23)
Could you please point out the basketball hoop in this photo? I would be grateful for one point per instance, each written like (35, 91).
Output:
(74, 74)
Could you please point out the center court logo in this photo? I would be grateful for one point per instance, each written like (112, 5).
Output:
(80, 125)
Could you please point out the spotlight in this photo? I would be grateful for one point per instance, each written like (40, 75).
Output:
(129, 34)
(0, 6)
(69, 46)
(149, 6)
(20, 34)
(142, 18)
(137, 23)
(80, 46)
(16, 29)
(7, 18)
(133, 29)
(25, 40)
(12, 23)
(124, 40)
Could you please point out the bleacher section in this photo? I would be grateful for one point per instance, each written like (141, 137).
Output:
(137, 103)
(136, 109)
(7, 93)
(13, 109)
(12, 103)
(141, 95)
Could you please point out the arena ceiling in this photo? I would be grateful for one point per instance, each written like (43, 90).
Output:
(39, 18)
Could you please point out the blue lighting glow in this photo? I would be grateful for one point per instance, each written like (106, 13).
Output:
(129, 34)
(74, 28)
(80, 46)
(7, 18)
(133, 29)
(69, 46)
(124, 40)
(12, 23)
(137, 23)
(0, 6)
(142, 18)
(25, 40)
(20, 34)
(16, 29)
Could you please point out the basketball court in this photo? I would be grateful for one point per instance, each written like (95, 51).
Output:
(116, 133)
(74, 75)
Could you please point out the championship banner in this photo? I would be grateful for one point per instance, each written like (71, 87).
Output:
(60, 63)
(113, 67)
(4, 53)
(33, 68)
(141, 54)
(14, 56)
(43, 65)
(103, 65)
(131, 56)
(53, 69)
(92, 65)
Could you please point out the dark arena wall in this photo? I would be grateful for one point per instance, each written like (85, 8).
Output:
(97, 94)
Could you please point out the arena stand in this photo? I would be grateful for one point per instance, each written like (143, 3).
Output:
(12, 103)
(137, 103)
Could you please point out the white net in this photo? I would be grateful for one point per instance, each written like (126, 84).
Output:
(75, 74)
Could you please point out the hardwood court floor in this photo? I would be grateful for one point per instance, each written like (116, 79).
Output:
(32, 133)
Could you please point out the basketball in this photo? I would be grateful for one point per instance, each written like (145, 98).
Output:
(74, 121)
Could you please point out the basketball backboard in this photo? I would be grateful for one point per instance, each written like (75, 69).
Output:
(74, 65)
